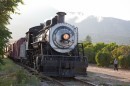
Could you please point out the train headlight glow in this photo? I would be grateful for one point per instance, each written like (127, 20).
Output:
(66, 36)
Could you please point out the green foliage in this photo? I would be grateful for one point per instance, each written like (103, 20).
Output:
(7, 81)
(89, 52)
(124, 62)
(14, 75)
(21, 77)
(8, 67)
(99, 46)
(85, 44)
(128, 60)
(4, 37)
(104, 54)
(123, 54)
(6, 8)
(121, 50)
(111, 46)
(88, 39)
(103, 58)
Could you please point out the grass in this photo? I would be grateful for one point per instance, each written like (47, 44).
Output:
(13, 75)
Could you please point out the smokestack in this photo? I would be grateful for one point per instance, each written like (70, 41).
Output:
(61, 16)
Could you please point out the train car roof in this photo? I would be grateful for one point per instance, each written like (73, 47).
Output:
(34, 30)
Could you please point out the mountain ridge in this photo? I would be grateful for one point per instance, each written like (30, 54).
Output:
(106, 30)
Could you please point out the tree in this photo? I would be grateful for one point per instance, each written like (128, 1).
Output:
(85, 44)
(99, 46)
(109, 48)
(7, 7)
(103, 58)
(123, 54)
(89, 52)
(88, 39)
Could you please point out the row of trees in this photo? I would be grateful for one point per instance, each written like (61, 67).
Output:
(103, 54)
(7, 7)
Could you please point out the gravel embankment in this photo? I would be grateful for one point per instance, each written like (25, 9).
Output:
(107, 76)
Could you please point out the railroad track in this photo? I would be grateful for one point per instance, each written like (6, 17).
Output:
(57, 81)
(87, 82)
(74, 82)
(44, 79)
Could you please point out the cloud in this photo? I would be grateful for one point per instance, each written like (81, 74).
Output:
(79, 16)
(99, 18)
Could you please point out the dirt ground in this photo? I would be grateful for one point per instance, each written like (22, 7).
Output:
(107, 76)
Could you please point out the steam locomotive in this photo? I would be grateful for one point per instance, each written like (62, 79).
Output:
(52, 48)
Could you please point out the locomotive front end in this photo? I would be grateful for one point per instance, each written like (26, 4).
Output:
(63, 36)
(54, 50)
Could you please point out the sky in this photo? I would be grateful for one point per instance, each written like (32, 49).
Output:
(34, 12)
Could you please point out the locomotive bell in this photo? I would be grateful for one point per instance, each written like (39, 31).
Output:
(61, 17)
(48, 22)
(54, 21)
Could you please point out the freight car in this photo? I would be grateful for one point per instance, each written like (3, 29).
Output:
(14, 49)
(52, 48)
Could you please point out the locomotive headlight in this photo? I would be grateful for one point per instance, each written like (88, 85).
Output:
(66, 36)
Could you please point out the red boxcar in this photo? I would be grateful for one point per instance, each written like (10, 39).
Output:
(16, 49)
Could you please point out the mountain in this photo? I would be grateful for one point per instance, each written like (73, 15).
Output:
(105, 29)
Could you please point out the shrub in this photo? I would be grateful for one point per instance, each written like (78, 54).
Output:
(128, 60)
(103, 58)
(124, 61)
(89, 52)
